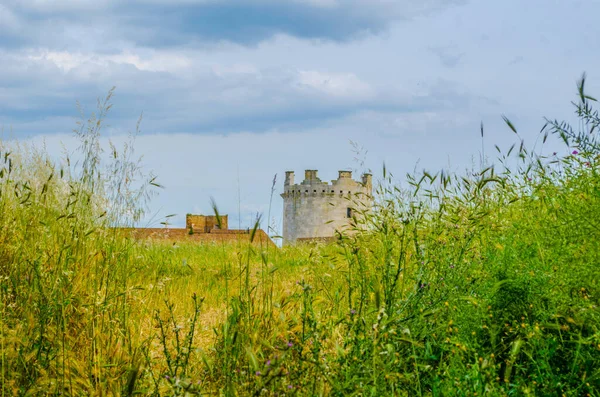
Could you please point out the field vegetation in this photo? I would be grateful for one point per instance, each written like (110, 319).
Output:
(484, 283)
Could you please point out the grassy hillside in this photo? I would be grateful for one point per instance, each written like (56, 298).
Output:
(464, 285)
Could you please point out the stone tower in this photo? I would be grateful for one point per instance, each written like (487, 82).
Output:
(316, 209)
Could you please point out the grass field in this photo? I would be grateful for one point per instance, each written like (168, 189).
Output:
(463, 285)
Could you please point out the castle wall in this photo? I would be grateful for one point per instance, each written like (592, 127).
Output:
(215, 236)
(316, 209)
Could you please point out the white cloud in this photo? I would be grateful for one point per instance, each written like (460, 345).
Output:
(8, 20)
(345, 85)
(57, 6)
(223, 71)
(449, 56)
(325, 4)
(11, 26)
(150, 61)
(181, 91)
(293, 91)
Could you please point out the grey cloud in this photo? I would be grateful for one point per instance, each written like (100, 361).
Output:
(106, 24)
(516, 60)
(349, 90)
(449, 56)
(396, 138)
(39, 97)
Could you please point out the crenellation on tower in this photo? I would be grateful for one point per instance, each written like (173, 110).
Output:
(367, 181)
(343, 175)
(317, 209)
(289, 178)
(310, 177)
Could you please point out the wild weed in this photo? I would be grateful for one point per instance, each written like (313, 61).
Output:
(484, 282)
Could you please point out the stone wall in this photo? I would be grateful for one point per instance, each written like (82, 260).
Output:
(216, 236)
(203, 229)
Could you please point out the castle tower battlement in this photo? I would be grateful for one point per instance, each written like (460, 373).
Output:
(316, 209)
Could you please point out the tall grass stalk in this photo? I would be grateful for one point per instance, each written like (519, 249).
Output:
(479, 283)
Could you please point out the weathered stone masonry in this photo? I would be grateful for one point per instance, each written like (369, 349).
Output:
(205, 223)
(315, 209)
(202, 229)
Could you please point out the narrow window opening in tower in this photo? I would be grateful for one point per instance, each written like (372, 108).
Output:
(348, 212)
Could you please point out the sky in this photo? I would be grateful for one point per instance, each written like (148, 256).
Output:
(234, 93)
